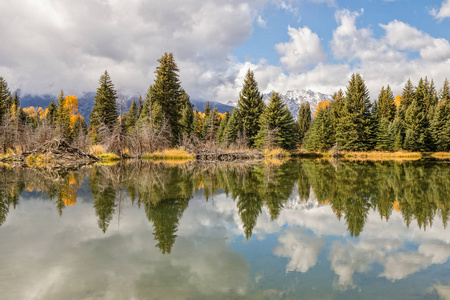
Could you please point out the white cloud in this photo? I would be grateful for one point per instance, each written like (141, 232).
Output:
(303, 49)
(51, 45)
(302, 250)
(444, 11)
(261, 22)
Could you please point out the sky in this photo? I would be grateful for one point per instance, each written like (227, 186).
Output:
(49, 45)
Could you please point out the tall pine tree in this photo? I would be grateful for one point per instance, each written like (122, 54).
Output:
(105, 107)
(354, 129)
(304, 120)
(251, 106)
(166, 93)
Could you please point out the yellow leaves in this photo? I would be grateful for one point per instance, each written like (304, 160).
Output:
(71, 104)
(33, 112)
(398, 100)
(321, 105)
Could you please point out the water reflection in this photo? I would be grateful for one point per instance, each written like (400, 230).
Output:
(231, 230)
(419, 191)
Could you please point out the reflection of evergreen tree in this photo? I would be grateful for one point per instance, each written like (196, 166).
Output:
(104, 195)
(165, 215)
(4, 209)
(249, 207)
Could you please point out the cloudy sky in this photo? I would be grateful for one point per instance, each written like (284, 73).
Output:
(49, 45)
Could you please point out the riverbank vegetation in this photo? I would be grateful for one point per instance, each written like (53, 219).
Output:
(418, 120)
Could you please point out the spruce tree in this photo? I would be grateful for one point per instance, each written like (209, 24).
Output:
(304, 120)
(52, 113)
(131, 117)
(197, 124)
(417, 134)
(384, 141)
(320, 135)
(63, 118)
(4, 93)
(385, 105)
(166, 93)
(222, 126)
(234, 127)
(407, 96)
(187, 120)
(105, 107)
(251, 106)
(441, 118)
(354, 129)
(277, 119)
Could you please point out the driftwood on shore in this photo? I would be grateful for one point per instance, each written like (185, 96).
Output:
(55, 154)
(228, 156)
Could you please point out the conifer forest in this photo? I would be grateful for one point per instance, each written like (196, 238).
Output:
(416, 120)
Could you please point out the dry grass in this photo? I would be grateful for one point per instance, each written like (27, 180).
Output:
(276, 152)
(381, 155)
(96, 150)
(172, 154)
(108, 157)
(441, 155)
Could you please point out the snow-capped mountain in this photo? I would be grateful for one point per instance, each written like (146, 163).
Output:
(294, 99)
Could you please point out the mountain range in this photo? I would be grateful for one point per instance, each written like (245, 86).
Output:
(293, 99)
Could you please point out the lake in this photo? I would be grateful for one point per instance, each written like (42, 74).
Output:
(272, 230)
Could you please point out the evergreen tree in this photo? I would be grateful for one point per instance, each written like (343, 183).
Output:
(141, 106)
(197, 124)
(166, 94)
(63, 118)
(130, 118)
(251, 106)
(207, 109)
(355, 127)
(441, 119)
(383, 135)
(417, 135)
(222, 125)
(52, 113)
(234, 127)
(398, 131)
(304, 120)
(105, 107)
(187, 120)
(385, 105)
(320, 135)
(278, 119)
(4, 93)
(407, 96)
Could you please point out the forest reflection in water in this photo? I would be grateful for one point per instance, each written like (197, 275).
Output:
(418, 190)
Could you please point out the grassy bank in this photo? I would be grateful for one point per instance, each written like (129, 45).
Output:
(169, 154)
(373, 155)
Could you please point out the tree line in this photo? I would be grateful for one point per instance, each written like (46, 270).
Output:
(417, 120)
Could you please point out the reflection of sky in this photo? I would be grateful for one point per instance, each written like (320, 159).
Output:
(307, 251)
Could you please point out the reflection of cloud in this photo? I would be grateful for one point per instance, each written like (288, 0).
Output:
(70, 258)
(443, 291)
(302, 250)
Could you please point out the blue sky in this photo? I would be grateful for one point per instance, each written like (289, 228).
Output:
(49, 45)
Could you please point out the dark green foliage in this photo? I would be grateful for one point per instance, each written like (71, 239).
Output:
(234, 127)
(417, 136)
(207, 109)
(440, 124)
(354, 129)
(105, 107)
(197, 124)
(277, 120)
(385, 106)
(166, 95)
(384, 141)
(52, 113)
(304, 120)
(320, 135)
(4, 96)
(251, 106)
(407, 96)
(398, 131)
(63, 119)
(131, 117)
(221, 130)
(187, 120)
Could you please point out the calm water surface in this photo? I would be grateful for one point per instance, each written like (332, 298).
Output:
(294, 230)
